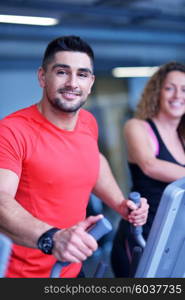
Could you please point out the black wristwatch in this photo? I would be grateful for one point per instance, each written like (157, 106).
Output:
(45, 243)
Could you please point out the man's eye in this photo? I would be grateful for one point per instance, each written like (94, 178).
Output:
(61, 72)
(83, 75)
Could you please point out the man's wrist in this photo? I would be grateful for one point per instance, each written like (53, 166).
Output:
(45, 242)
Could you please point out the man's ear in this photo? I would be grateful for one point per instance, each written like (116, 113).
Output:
(41, 77)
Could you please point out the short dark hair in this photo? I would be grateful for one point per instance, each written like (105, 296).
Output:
(66, 43)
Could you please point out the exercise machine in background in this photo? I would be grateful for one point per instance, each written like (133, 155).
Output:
(5, 252)
(164, 254)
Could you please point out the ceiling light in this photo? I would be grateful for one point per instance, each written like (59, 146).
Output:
(28, 20)
(134, 71)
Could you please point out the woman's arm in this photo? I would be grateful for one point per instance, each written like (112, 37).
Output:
(141, 152)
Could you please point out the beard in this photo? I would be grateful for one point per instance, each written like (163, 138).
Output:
(66, 106)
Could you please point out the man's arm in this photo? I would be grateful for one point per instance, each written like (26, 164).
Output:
(72, 244)
(108, 191)
(16, 222)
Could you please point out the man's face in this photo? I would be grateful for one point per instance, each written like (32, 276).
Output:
(67, 81)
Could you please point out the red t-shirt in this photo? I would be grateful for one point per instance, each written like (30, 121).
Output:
(57, 171)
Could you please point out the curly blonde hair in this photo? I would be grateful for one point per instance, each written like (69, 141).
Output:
(148, 106)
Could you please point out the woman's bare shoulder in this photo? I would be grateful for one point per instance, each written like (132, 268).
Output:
(134, 123)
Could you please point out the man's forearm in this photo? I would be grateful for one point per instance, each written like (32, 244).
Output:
(108, 191)
(18, 224)
(106, 187)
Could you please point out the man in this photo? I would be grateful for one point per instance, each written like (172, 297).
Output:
(50, 163)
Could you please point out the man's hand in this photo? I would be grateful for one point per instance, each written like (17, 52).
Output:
(133, 214)
(75, 244)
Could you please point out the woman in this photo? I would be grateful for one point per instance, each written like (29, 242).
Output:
(155, 140)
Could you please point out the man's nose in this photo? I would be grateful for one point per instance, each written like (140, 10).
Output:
(72, 81)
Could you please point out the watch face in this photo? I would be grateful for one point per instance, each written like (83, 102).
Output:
(45, 242)
(47, 245)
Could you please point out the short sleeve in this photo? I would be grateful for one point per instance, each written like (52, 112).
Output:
(94, 126)
(90, 122)
(11, 149)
